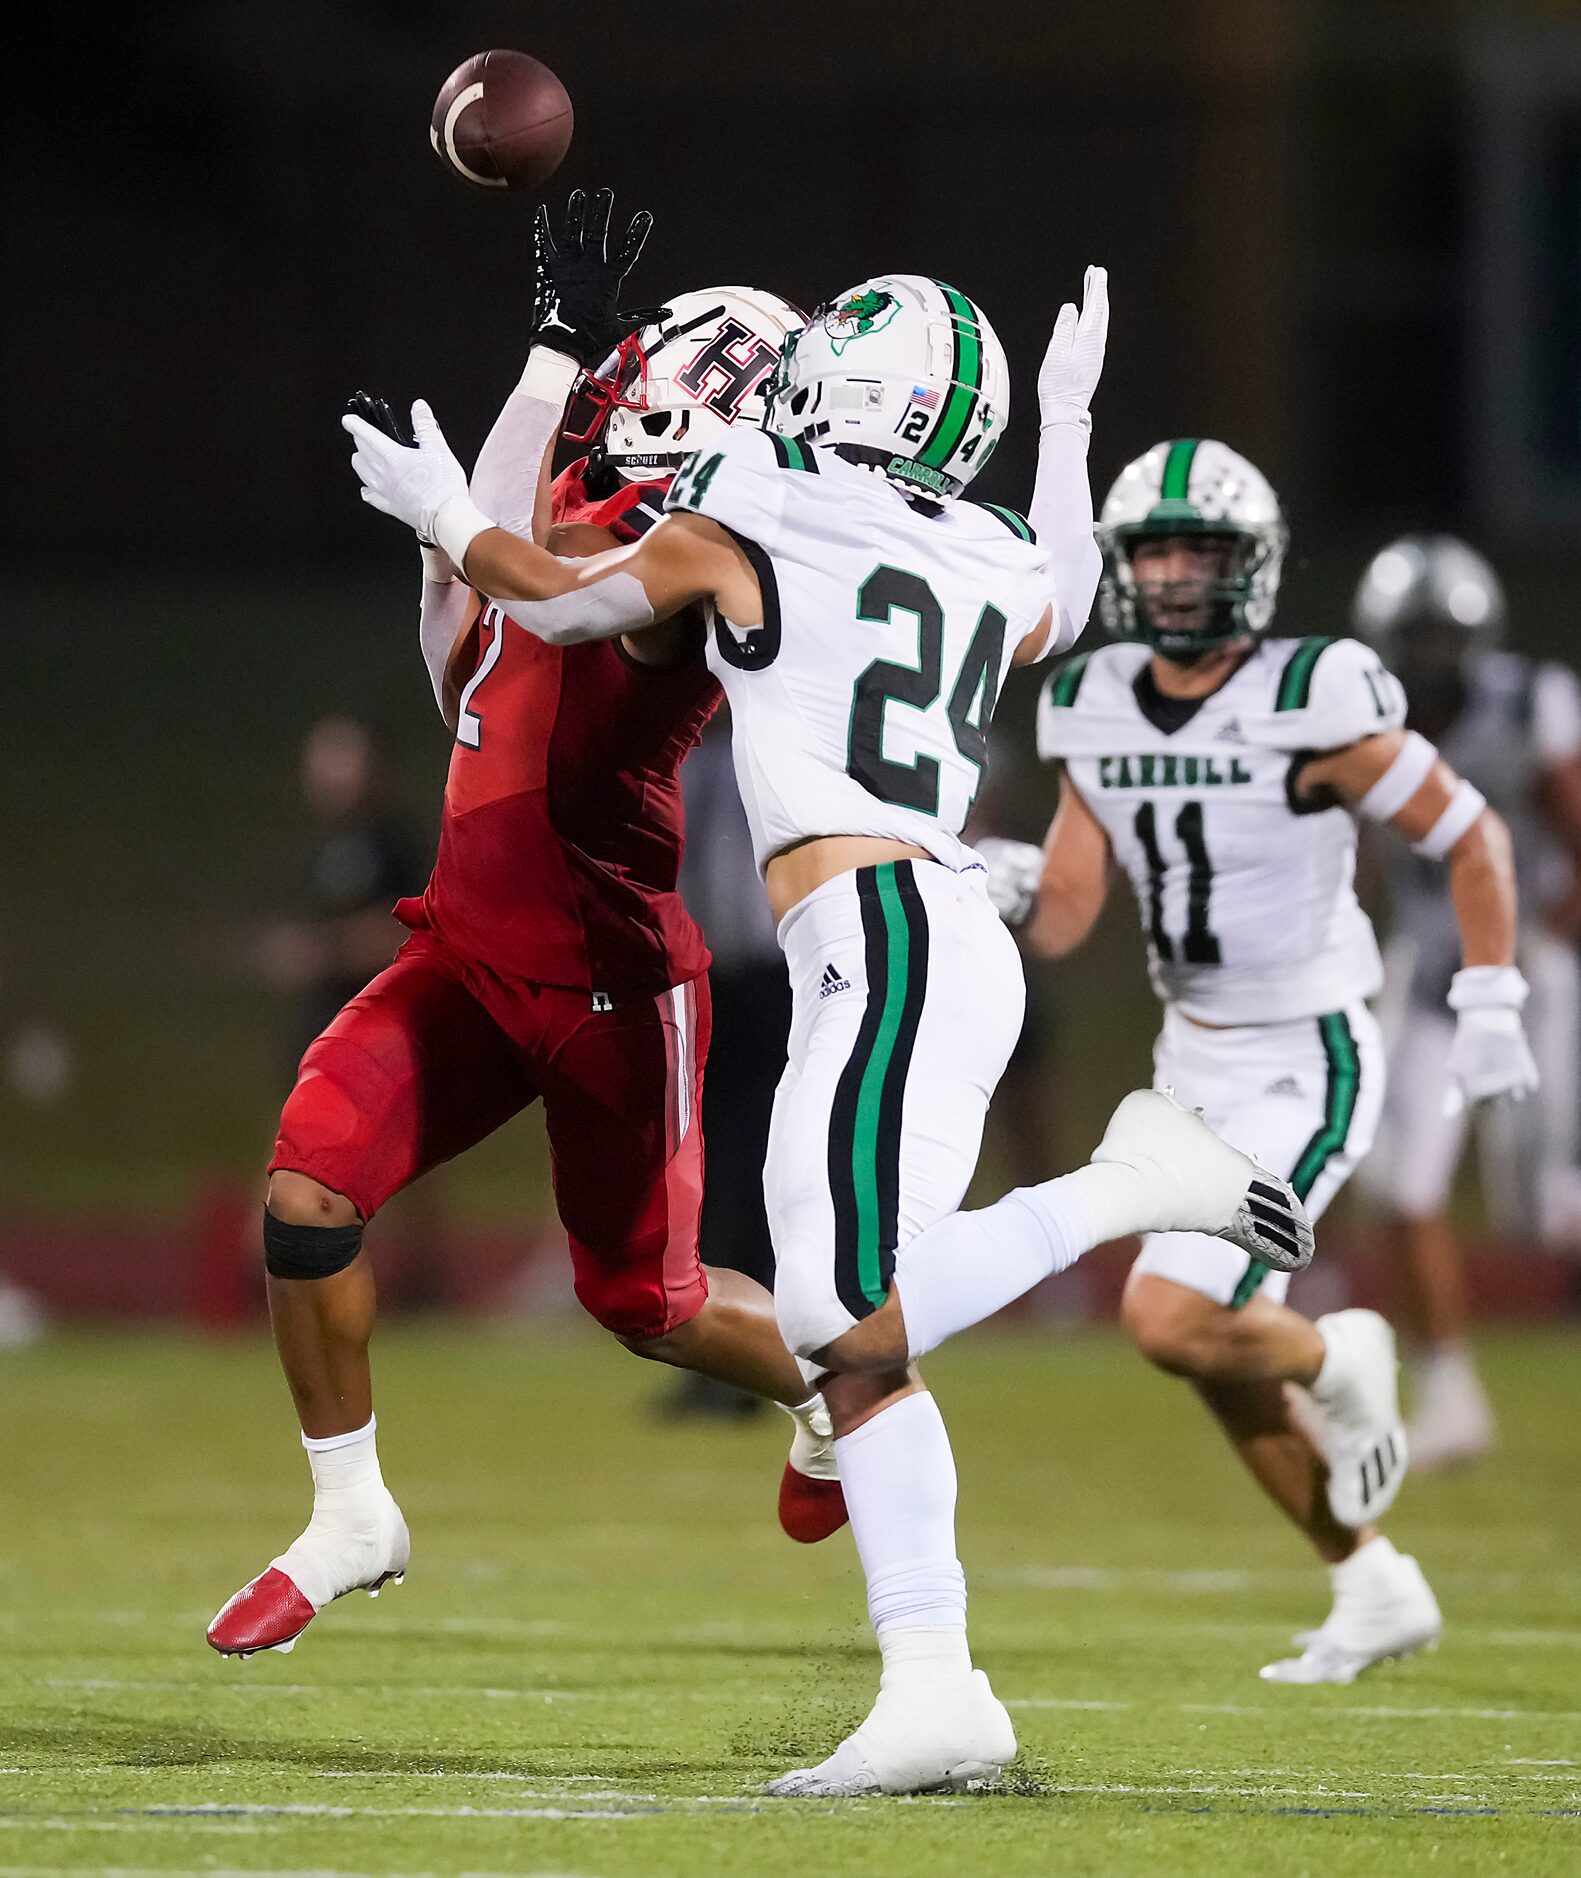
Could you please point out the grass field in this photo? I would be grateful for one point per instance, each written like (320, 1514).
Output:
(605, 1646)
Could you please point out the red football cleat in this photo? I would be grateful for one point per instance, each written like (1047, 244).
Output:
(268, 1614)
(323, 1564)
(810, 1509)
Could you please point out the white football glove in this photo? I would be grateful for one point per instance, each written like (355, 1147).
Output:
(1015, 869)
(410, 482)
(1490, 1059)
(1073, 363)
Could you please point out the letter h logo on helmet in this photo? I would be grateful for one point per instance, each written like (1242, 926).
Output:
(740, 374)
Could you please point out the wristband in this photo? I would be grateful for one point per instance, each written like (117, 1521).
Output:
(438, 568)
(457, 525)
(1463, 808)
(1487, 988)
(1413, 762)
(548, 375)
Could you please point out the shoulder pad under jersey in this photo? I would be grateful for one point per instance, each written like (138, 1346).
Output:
(740, 480)
(1330, 693)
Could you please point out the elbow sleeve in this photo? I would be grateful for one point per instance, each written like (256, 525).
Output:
(603, 609)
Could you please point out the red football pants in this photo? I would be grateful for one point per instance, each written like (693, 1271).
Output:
(436, 1053)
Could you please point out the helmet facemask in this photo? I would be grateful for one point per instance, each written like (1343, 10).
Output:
(1184, 620)
(1194, 493)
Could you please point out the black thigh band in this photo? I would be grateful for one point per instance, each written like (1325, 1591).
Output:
(308, 1251)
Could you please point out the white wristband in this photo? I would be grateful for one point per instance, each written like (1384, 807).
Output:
(1463, 808)
(457, 525)
(548, 375)
(1400, 781)
(1487, 988)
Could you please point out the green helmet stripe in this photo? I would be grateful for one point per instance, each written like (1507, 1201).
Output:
(966, 373)
(1177, 470)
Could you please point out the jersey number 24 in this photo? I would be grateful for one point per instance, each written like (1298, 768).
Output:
(915, 785)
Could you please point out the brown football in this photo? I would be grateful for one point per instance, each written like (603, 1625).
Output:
(502, 120)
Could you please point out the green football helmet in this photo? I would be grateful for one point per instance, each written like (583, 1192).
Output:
(1193, 488)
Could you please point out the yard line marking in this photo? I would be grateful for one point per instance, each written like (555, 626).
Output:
(1379, 1711)
(1234, 1578)
(325, 1688)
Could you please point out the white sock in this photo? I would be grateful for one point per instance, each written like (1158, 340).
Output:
(899, 1479)
(345, 1467)
(967, 1267)
(1368, 1568)
(1447, 1363)
(1336, 1372)
(349, 1499)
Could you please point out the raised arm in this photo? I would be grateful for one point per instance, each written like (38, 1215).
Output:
(576, 324)
(1061, 508)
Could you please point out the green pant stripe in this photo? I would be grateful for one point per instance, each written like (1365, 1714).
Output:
(1339, 1110)
(865, 1140)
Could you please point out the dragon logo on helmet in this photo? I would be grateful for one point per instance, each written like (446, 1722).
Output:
(863, 313)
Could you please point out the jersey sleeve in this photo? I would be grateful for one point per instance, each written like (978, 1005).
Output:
(1333, 693)
(1556, 715)
(739, 482)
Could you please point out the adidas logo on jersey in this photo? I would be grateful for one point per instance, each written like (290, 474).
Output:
(832, 982)
(1230, 732)
(1285, 1085)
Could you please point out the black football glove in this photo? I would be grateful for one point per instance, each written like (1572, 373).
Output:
(577, 283)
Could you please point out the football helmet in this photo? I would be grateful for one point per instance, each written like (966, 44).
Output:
(1197, 489)
(666, 389)
(1429, 580)
(902, 373)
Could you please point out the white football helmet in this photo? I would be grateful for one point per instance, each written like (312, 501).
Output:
(1193, 487)
(902, 373)
(667, 389)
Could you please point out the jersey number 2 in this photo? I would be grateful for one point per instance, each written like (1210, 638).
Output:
(915, 785)
(1198, 945)
(469, 723)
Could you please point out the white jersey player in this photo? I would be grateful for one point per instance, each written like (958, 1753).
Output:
(1221, 769)
(1435, 611)
(862, 620)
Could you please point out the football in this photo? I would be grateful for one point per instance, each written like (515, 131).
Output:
(502, 120)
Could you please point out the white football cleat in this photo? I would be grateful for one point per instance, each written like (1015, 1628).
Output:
(1357, 1399)
(1202, 1184)
(950, 1736)
(1386, 1610)
(324, 1563)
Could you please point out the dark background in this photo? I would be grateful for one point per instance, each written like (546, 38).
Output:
(1341, 234)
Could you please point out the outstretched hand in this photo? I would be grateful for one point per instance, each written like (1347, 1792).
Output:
(578, 281)
(411, 481)
(1073, 363)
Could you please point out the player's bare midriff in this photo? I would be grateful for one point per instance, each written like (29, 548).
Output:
(798, 871)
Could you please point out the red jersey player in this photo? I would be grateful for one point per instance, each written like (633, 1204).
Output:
(551, 957)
